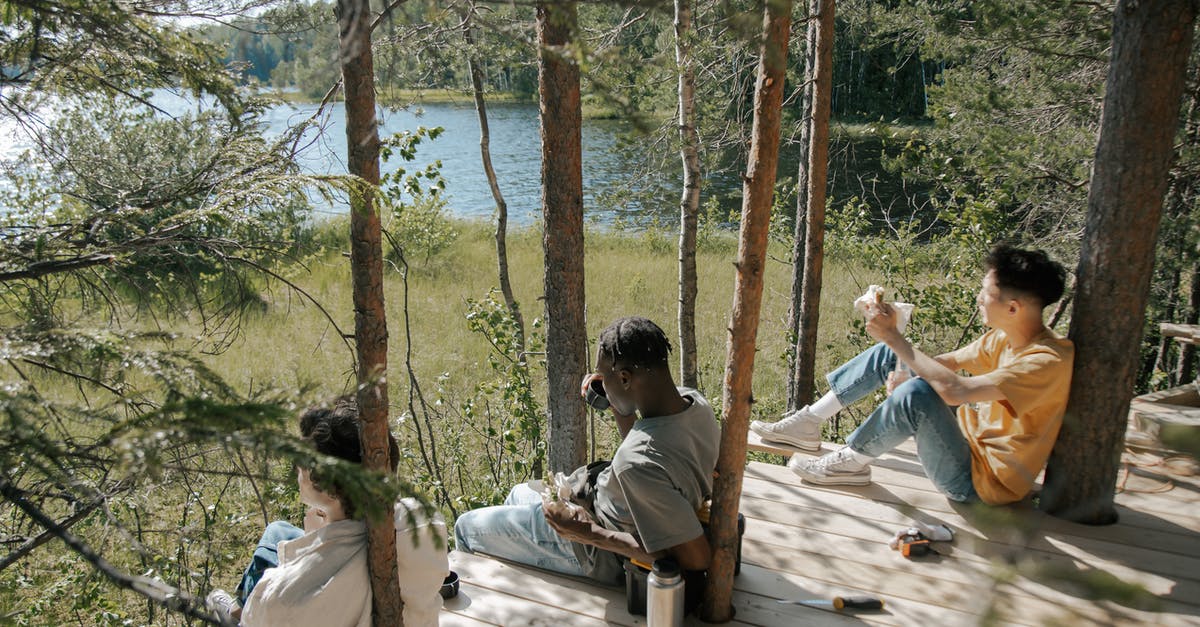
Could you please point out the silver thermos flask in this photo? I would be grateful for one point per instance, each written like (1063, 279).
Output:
(664, 595)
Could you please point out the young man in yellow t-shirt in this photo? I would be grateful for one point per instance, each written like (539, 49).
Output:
(1009, 408)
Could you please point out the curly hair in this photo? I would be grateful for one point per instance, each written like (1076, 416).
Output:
(635, 342)
(1030, 272)
(333, 430)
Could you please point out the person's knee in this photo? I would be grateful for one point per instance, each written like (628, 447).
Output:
(519, 494)
(278, 531)
(914, 391)
(462, 531)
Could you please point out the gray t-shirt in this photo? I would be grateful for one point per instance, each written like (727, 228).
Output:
(659, 477)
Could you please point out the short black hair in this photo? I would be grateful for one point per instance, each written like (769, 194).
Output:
(333, 430)
(1029, 272)
(635, 342)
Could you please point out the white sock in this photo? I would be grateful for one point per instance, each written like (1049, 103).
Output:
(861, 458)
(826, 407)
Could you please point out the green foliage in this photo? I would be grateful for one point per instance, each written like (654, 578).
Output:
(940, 278)
(881, 68)
(83, 47)
(504, 409)
(712, 227)
(414, 200)
(186, 207)
(1016, 112)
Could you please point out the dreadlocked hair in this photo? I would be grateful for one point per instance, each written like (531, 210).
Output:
(635, 342)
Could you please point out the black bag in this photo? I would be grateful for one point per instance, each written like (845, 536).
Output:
(583, 484)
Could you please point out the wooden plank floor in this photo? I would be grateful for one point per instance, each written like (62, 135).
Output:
(1008, 565)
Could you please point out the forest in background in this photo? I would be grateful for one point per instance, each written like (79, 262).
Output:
(122, 290)
(972, 122)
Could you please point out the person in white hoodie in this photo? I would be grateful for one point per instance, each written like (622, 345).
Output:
(318, 575)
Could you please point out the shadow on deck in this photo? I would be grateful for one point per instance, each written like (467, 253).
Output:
(1010, 565)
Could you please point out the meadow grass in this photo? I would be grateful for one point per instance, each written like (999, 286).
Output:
(293, 346)
(198, 530)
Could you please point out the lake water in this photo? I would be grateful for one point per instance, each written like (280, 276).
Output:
(515, 150)
(616, 185)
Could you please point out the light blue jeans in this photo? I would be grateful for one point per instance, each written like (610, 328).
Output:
(516, 531)
(266, 555)
(914, 410)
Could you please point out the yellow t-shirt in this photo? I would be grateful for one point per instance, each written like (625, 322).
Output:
(1011, 439)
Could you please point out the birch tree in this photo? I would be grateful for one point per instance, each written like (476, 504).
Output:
(799, 390)
(485, 157)
(814, 236)
(689, 203)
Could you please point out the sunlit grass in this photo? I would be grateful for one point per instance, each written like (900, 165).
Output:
(293, 346)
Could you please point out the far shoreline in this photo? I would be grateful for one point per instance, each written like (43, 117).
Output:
(403, 98)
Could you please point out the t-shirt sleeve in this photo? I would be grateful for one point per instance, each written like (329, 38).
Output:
(663, 517)
(978, 356)
(1031, 381)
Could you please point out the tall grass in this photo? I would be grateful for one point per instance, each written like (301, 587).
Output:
(293, 345)
(199, 531)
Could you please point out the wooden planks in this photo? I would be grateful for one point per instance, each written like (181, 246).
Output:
(1046, 564)
(1008, 565)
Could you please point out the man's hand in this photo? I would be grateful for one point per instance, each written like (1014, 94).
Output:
(895, 378)
(578, 526)
(572, 523)
(314, 519)
(881, 323)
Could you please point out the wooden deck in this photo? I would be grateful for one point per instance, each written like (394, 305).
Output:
(1006, 565)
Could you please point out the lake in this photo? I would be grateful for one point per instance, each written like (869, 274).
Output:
(618, 186)
(515, 150)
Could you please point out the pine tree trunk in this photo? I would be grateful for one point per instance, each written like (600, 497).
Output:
(562, 239)
(818, 171)
(747, 299)
(1151, 42)
(485, 153)
(366, 269)
(795, 398)
(689, 203)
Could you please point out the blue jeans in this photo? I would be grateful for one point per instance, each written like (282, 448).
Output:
(266, 555)
(913, 409)
(516, 531)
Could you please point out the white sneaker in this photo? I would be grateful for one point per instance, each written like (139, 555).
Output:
(836, 468)
(800, 429)
(223, 603)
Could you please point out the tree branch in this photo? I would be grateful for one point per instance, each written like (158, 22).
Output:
(42, 268)
(16, 554)
(156, 591)
(385, 13)
(311, 299)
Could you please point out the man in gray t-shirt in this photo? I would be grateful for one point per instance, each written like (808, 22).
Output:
(659, 477)
(645, 502)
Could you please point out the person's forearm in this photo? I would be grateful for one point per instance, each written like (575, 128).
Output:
(943, 380)
(948, 360)
(620, 543)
